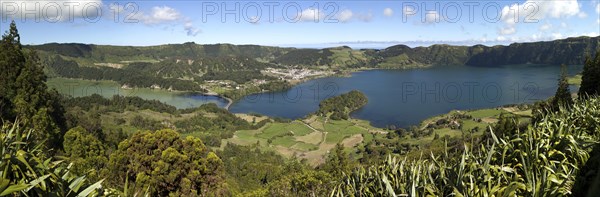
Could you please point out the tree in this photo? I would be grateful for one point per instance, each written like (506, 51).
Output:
(24, 94)
(338, 162)
(306, 182)
(12, 60)
(507, 125)
(31, 103)
(250, 168)
(341, 106)
(166, 164)
(562, 98)
(590, 79)
(86, 152)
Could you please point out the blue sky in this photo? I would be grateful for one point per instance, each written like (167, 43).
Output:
(362, 24)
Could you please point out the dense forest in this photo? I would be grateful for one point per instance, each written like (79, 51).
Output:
(54, 145)
(134, 76)
(340, 107)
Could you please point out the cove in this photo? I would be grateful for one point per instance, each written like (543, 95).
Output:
(406, 97)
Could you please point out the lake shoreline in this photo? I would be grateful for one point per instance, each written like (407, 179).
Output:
(384, 87)
(380, 122)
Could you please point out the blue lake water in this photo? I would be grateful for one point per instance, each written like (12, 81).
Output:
(406, 97)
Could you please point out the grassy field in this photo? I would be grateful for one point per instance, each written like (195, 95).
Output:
(309, 139)
(575, 80)
(313, 137)
(487, 116)
(485, 113)
(344, 56)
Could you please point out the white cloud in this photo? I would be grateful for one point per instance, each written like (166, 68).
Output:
(310, 14)
(254, 20)
(51, 10)
(365, 17)
(345, 15)
(534, 37)
(431, 17)
(558, 9)
(166, 15)
(190, 29)
(408, 10)
(563, 25)
(591, 34)
(545, 27)
(557, 36)
(533, 11)
(507, 30)
(501, 38)
(537, 10)
(598, 8)
(158, 15)
(388, 12)
(116, 8)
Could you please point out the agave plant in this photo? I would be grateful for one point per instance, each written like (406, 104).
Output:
(543, 160)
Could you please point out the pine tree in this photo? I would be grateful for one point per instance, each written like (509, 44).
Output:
(590, 79)
(338, 161)
(12, 60)
(24, 94)
(562, 98)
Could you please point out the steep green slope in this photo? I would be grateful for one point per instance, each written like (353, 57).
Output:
(565, 51)
(402, 56)
(338, 57)
(187, 50)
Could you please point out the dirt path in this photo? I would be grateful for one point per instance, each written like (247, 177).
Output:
(229, 102)
(311, 127)
(352, 141)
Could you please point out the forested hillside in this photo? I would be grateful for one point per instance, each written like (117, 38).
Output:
(566, 51)
(193, 56)
(187, 50)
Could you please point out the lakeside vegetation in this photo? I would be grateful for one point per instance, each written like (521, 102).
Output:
(126, 146)
(340, 107)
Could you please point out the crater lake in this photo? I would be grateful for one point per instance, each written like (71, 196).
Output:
(406, 97)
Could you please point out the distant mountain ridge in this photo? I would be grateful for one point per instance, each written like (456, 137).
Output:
(564, 51)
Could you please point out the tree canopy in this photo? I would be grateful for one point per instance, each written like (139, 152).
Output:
(341, 106)
(590, 79)
(24, 94)
(562, 98)
(167, 164)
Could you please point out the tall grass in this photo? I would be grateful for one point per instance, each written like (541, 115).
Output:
(543, 160)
